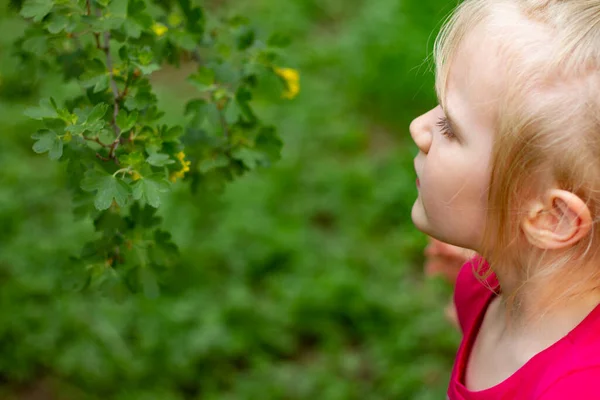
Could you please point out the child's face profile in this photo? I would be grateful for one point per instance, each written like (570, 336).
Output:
(455, 147)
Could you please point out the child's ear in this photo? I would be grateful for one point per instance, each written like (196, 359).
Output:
(559, 222)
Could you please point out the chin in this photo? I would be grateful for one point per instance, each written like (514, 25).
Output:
(419, 219)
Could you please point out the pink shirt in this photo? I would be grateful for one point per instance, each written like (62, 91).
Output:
(569, 369)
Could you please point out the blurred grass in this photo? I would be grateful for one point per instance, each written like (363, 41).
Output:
(301, 281)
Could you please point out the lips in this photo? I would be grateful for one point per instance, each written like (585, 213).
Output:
(418, 183)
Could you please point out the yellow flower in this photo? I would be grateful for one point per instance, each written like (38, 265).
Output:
(291, 78)
(176, 175)
(186, 164)
(135, 176)
(159, 29)
(185, 167)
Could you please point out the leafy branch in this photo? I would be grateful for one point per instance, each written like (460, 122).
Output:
(222, 136)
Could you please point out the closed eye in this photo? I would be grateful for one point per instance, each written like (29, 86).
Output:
(445, 128)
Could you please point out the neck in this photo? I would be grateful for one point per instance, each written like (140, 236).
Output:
(545, 301)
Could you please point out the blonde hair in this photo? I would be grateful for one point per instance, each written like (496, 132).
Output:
(547, 123)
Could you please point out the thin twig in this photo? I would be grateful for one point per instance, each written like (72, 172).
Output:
(126, 88)
(113, 83)
(122, 171)
(115, 90)
(113, 147)
(95, 139)
(89, 13)
(116, 98)
(98, 155)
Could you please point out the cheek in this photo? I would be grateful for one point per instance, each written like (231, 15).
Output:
(441, 181)
(454, 195)
(440, 200)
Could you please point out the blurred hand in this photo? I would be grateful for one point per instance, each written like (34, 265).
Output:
(446, 260)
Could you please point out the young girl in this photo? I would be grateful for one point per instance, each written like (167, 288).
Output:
(509, 166)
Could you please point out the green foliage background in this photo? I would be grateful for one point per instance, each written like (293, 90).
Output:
(299, 281)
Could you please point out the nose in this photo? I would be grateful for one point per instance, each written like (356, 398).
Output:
(421, 131)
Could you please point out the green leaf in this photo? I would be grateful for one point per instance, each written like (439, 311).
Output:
(99, 82)
(66, 116)
(37, 45)
(110, 222)
(213, 117)
(55, 124)
(57, 24)
(159, 160)
(87, 120)
(106, 136)
(132, 28)
(186, 40)
(149, 68)
(164, 251)
(136, 10)
(48, 141)
(245, 37)
(266, 57)
(243, 95)
(173, 134)
(126, 121)
(197, 107)
(145, 56)
(106, 23)
(194, 16)
(247, 112)
(163, 240)
(107, 188)
(132, 159)
(97, 112)
(149, 189)
(269, 143)
(203, 79)
(76, 129)
(36, 9)
(226, 73)
(250, 157)
(45, 110)
(143, 99)
(232, 112)
(145, 217)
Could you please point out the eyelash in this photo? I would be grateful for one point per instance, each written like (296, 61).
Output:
(445, 128)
